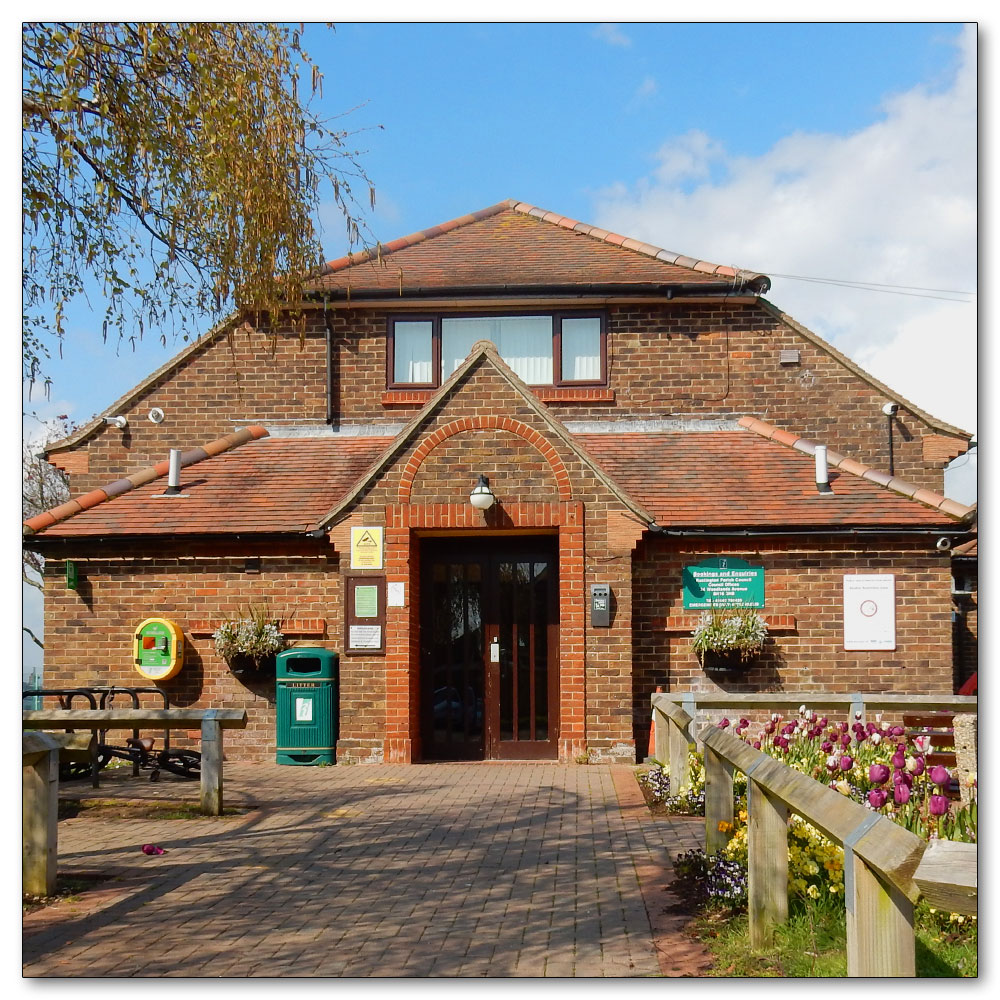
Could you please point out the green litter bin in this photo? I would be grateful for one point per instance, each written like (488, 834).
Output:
(308, 705)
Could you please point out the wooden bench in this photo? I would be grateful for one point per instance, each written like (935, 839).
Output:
(211, 721)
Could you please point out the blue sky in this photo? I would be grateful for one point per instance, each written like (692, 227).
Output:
(832, 151)
(635, 127)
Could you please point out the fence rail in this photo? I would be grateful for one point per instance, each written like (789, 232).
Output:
(886, 868)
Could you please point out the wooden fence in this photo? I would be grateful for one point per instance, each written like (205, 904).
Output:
(886, 868)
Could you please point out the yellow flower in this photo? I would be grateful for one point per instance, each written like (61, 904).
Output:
(812, 892)
(724, 827)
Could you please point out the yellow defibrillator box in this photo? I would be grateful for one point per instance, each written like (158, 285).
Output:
(158, 649)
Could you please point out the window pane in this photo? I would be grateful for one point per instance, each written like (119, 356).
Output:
(412, 357)
(524, 342)
(581, 350)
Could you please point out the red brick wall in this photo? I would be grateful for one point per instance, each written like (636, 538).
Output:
(665, 361)
(803, 579)
(89, 631)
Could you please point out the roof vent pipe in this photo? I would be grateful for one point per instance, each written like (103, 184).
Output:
(174, 474)
(822, 475)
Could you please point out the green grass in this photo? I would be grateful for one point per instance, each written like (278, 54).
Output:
(813, 945)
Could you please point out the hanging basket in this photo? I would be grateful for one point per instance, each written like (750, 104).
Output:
(244, 665)
(716, 661)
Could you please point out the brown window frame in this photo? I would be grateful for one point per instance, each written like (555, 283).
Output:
(557, 317)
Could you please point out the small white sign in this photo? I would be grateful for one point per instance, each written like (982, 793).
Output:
(303, 710)
(870, 611)
(395, 594)
(365, 636)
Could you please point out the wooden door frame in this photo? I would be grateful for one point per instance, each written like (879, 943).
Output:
(488, 552)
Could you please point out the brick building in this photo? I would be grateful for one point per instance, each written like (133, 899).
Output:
(636, 414)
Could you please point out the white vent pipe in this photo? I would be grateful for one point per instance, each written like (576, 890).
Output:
(822, 474)
(174, 473)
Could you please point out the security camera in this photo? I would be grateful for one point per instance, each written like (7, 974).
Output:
(120, 422)
(156, 415)
(890, 409)
(943, 544)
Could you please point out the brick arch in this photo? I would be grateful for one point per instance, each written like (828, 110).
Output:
(479, 424)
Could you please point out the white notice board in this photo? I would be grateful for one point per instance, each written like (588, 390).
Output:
(870, 611)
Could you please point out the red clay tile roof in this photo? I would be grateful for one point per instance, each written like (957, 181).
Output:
(838, 461)
(512, 245)
(89, 500)
(729, 479)
(275, 485)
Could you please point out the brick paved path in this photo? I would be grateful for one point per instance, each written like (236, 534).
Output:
(430, 870)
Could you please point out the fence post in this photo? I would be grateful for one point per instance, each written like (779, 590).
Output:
(680, 775)
(661, 747)
(39, 817)
(880, 936)
(767, 848)
(718, 801)
(211, 764)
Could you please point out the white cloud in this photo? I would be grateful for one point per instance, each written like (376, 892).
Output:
(893, 203)
(647, 89)
(611, 34)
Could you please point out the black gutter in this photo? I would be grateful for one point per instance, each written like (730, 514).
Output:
(758, 286)
(657, 529)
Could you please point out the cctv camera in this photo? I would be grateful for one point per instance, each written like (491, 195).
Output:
(890, 409)
(120, 422)
(943, 544)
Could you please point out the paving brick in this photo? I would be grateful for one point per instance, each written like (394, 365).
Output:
(477, 871)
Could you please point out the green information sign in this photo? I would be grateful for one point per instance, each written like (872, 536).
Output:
(723, 582)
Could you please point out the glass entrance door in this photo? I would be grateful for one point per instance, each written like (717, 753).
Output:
(489, 649)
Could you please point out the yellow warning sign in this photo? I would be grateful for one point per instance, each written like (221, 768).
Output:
(366, 548)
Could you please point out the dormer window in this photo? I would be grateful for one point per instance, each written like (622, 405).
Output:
(544, 349)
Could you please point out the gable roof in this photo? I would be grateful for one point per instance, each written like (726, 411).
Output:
(485, 351)
(515, 246)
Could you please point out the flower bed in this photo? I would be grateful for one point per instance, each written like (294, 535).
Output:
(873, 763)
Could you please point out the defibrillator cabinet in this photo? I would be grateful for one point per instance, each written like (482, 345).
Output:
(158, 649)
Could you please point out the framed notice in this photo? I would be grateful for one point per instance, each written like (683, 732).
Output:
(870, 611)
(366, 548)
(364, 614)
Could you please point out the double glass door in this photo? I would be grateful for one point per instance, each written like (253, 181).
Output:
(489, 644)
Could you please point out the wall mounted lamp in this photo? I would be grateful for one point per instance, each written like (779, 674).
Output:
(482, 497)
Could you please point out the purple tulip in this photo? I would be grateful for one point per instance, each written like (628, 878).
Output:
(877, 798)
(845, 740)
(723, 723)
(878, 774)
(756, 744)
(902, 778)
(780, 741)
(870, 728)
(769, 728)
(822, 722)
(744, 723)
(846, 763)
(938, 805)
(915, 765)
(896, 731)
(842, 727)
(861, 736)
(826, 746)
(899, 757)
(901, 793)
(939, 775)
